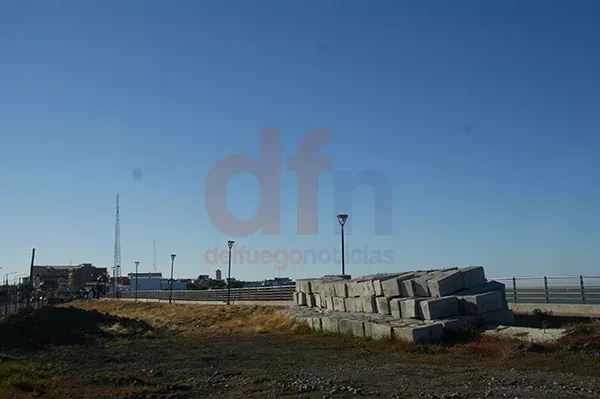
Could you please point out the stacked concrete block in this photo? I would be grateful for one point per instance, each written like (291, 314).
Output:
(420, 304)
(439, 308)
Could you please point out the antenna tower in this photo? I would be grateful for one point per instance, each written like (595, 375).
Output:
(117, 260)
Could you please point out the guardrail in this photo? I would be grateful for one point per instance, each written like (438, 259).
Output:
(542, 289)
(552, 289)
(272, 293)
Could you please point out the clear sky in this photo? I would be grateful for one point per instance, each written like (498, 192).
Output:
(483, 116)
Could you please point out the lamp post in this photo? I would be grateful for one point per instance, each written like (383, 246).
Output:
(171, 281)
(6, 285)
(342, 219)
(137, 263)
(230, 245)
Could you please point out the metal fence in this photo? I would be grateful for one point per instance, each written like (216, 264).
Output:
(274, 293)
(542, 289)
(552, 289)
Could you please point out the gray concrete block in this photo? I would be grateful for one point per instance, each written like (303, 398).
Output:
(303, 286)
(368, 304)
(481, 303)
(317, 324)
(391, 287)
(329, 289)
(439, 308)
(383, 305)
(419, 285)
(301, 299)
(473, 276)
(436, 332)
(339, 304)
(345, 326)
(352, 288)
(375, 330)
(358, 328)
(450, 324)
(330, 324)
(318, 300)
(350, 304)
(411, 309)
(395, 307)
(329, 302)
(446, 283)
(467, 320)
(483, 288)
(366, 288)
(377, 288)
(407, 288)
(311, 300)
(499, 317)
(412, 333)
(341, 289)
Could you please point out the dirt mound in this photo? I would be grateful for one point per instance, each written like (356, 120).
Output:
(33, 329)
(582, 337)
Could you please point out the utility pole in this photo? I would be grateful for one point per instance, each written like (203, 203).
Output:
(117, 257)
(171, 281)
(31, 287)
(137, 263)
(230, 245)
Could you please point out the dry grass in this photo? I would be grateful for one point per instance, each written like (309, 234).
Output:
(191, 319)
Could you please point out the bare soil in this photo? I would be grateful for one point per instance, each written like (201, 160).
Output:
(226, 359)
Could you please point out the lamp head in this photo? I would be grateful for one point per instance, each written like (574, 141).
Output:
(172, 257)
(230, 244)
(342, 219)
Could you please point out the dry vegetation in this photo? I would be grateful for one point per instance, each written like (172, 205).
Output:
(190, 319)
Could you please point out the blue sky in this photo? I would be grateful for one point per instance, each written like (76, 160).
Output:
(482, 115)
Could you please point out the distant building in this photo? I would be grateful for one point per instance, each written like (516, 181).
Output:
(75, 277)
(218, 275)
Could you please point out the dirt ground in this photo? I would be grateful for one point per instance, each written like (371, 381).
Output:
(216, 353)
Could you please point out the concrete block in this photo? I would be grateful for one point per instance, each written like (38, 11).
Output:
(378, 330)
(383, 305)
(352, 288)
(446, 283)
(311, 300)
(303, 286)
(483, 288)
(377, 288)
(366, 288)
(436, 331)
(419, 286)
(358, 328)
(339, 304)
(395, 307)
(341, 289)
(318, 301)
(407, 288)
(473, 276)
(317, 324)
(329, 289)
(412, 333)
(350, 304)
(499, 317)
(439, 308)
(329, 302)
(330, 324)
(481, 303)
(450, 324)
(344, 326)
(301, 299)
(368, 304)
(467, 320)
(411, 309)
(391, 287)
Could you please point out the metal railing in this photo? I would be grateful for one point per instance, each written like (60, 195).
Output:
(552, 289)
(272, 293)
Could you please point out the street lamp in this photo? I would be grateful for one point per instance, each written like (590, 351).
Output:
(342, 219)
(230, 245)
(171, 281)
(137, 263)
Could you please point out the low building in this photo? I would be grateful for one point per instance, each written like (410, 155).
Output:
(154, 281)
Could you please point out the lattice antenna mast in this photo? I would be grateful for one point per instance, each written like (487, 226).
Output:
(154, 255)
(117, 260)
